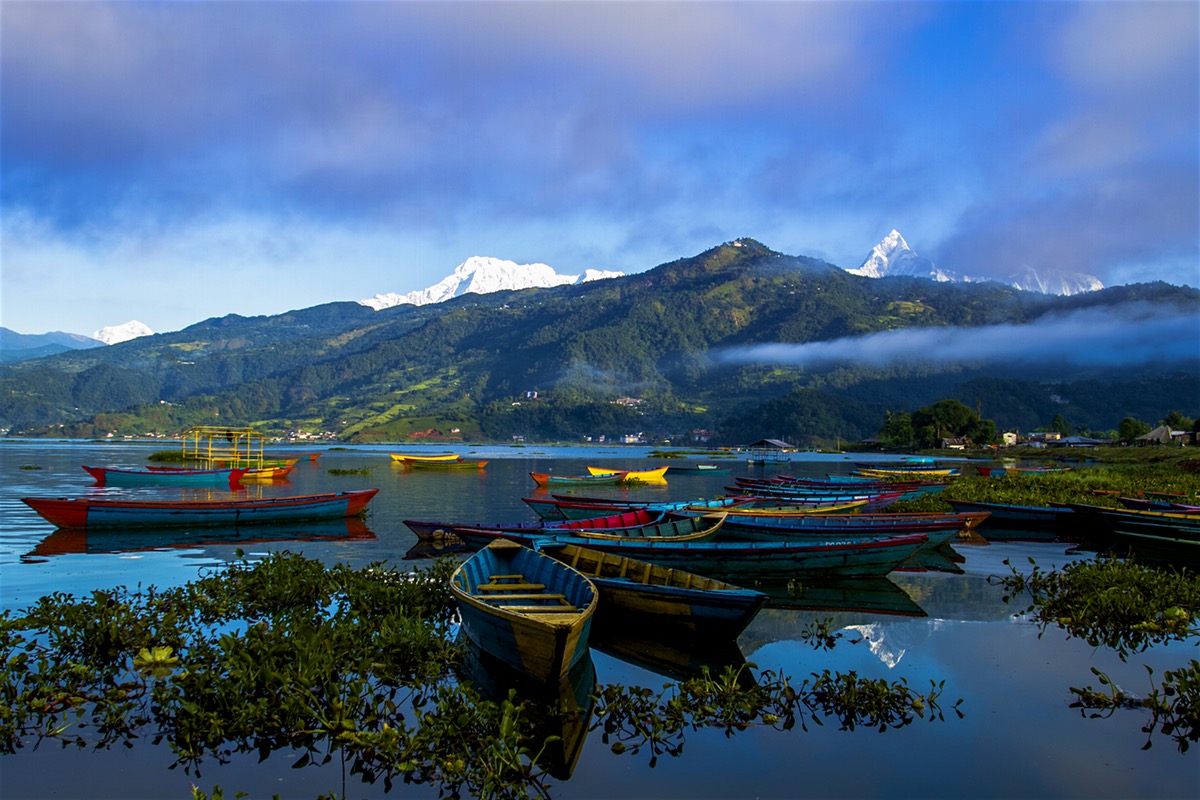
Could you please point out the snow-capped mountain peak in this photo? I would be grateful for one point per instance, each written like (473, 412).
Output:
(115, 334)
(893, 256)
(483, 275)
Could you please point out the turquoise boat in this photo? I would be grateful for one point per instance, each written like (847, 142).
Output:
(525, 608)
(165, 476)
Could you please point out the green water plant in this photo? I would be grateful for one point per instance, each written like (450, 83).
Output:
(1128, 608)
(351, 666)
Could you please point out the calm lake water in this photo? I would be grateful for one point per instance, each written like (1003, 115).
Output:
(1019, 737)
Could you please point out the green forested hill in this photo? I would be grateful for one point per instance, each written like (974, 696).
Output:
(653, 340)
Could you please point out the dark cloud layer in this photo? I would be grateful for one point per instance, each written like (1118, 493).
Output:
(994, 136)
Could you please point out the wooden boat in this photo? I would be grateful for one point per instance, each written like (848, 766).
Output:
(410, 458)
(784, 508)
(1151, 504)
(748, 528)
(525, 608)
(1005, 521)
(548, 479)
(1175, 525)
(677, 528)
(560, 507)
(276, 472)
(434, 531)
(863, 557)
(699, 469)
(659, 600)
(1037, 470)
(929, 472)
(461, 464)
(91, 513)
(164, 476)
(648, 475)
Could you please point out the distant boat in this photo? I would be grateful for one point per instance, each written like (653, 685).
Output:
(461, 464)
(550, 479)
(275, 472)
(648, 475)
(678, 528)
(434, 531)
(699, 469)
(164, 476)
(560, 507)
(411, 458)
(91, 513)
(659, 600)
(525, 608)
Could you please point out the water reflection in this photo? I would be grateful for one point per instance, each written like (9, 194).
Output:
(73, 541)
(678, 660)
(562, 709)
(861, 595)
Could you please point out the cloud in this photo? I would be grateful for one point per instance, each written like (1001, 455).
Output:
(1101, 336)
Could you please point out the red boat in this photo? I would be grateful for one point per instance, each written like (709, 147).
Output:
(91, 513)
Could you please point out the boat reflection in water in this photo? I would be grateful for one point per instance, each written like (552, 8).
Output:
(676, 659)
(940, 558)
(65, 541)
(851, 595)
(563, 708)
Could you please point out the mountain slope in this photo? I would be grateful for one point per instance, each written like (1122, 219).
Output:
(661, 336)
(21, 346)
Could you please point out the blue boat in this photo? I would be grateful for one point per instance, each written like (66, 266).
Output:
(525, 609)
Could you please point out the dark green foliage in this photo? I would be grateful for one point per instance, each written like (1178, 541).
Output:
(286, 655)
(1128, 608)
(951, 419)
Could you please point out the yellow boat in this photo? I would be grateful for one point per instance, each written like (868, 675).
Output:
(936, 472)
(405, 458)
(648, 475)
(789, 511)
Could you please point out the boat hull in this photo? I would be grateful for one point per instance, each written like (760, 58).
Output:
(165, 476)
(660, 600)
(543, 644)
(92, 513)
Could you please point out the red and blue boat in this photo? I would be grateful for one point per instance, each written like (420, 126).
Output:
(95, 512)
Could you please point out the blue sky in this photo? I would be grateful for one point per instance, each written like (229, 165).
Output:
(170, 162)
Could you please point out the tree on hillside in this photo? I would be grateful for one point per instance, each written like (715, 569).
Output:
(1060, 425)
(951, 419)
(1176, 421)
(1131, 428)
(898, 429)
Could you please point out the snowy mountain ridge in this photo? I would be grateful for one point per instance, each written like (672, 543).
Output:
(484, 275)
(892, 256)
(115, 334)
